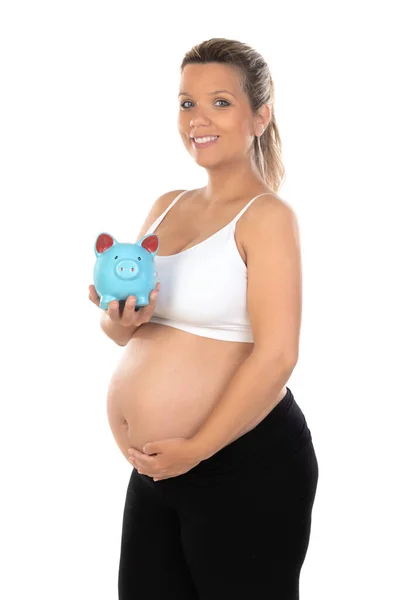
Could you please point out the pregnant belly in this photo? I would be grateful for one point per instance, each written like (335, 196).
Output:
(166, 384)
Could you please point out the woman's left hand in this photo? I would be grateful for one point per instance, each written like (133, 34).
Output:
(173, 456)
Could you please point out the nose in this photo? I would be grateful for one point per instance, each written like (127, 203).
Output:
(200, 117)
(126, 269)
(198, 125)
(195, 122)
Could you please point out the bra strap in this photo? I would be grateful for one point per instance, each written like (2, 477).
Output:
(247, 206)
(160, 218)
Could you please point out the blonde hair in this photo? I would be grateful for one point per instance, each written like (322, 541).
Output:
(257, 84)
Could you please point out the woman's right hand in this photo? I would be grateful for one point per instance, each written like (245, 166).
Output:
(128, 316)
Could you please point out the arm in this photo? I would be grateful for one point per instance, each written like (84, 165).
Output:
(253, 388)
(118, 333)
(272, 247)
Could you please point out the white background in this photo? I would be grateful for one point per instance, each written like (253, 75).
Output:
(88, 141)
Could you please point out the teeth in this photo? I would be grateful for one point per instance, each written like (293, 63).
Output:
(203, 140)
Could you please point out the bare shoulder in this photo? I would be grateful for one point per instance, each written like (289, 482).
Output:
(165, 200)
(157, 208)
(266, 206)
(267, 213)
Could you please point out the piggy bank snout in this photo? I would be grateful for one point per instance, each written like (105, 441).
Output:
(126, 268)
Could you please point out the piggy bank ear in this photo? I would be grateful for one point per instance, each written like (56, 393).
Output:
(150, 243)
(103, 242)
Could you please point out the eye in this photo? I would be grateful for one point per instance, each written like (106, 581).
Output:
(185, 108)
(226, 102)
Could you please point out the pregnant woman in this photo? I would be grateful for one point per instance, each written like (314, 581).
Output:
(224, 476)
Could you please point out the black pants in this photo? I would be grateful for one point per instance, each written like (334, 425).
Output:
(236, 526)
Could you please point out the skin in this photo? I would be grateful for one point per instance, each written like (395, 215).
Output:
(230, 168)
(231, 174)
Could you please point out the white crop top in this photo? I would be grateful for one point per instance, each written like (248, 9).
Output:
(204, 288)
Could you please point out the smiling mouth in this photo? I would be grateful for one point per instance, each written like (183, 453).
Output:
(204, 144)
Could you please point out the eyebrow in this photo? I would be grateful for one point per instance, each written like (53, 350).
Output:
(214, 92)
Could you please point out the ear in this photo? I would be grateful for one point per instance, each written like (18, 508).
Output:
(150, 243)
(103, 242)
(264, 116)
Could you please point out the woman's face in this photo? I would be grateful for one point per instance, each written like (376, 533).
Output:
(205, 112)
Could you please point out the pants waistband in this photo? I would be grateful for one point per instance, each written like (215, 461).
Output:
(282, 431)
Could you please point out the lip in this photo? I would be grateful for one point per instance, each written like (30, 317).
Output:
(204, 144)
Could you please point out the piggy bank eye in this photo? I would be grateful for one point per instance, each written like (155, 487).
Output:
(115, 257)
(139, 258)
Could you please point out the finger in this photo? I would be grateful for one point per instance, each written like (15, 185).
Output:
(113, 310)
(138, 317)
(146, 465)
(129, 314)
(93, 295)
(145, 312)
(152, 299)
(92, 291)
(149, 308)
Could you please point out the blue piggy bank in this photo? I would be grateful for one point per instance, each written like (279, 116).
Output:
(123, 270)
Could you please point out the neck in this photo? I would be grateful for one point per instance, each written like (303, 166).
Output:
(228, 183)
